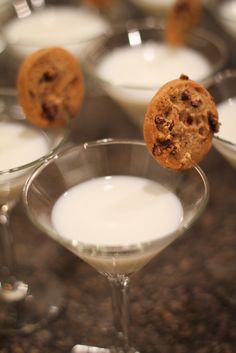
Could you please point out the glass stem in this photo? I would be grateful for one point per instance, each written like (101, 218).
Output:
(120, 303)
(7, 255)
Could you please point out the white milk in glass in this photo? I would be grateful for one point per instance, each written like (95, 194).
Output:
(135, 73)
(227, 118)
(227, 14)
(67, 26)
(117, 211)
(20, 144)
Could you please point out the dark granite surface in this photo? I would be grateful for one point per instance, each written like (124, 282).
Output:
(183, 301)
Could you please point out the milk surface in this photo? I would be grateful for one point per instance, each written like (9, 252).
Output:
(20, 144)
(59, 25)
(117, 210)
(151, 65)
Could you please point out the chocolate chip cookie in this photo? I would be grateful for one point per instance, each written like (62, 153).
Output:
(179, 124)
(50, 87)
(183, 16)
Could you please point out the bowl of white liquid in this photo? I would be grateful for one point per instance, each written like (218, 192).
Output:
(131, 63)
(68, 26)
(225, 12)
(223, 90)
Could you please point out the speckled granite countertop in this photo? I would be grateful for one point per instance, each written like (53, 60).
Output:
(183, 301)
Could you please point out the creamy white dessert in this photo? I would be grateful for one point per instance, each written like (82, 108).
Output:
(67, 26)
(117, 211)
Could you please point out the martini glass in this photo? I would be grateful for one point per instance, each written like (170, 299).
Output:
(27, 298)
(122, 254)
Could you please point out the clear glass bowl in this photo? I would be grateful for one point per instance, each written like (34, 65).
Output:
(223, 87)
(134, 98)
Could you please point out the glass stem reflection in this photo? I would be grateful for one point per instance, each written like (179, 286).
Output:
(120, 302)
(7, 256)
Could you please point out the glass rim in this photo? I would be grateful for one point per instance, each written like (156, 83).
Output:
(107, 250)
(11, 92)
(150, 23)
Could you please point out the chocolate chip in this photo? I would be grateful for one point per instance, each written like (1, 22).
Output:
(49, 110)
(213, 122)
(159, 121)
(32, 94)
(189, 120)
(184, 77)
(160, 145)
(48, 76)
(202, 131)
(196, 103)
(156, 149)
(165, 143)
(185, 117)
(185, 95)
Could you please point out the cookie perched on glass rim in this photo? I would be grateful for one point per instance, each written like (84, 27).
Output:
(179, 124)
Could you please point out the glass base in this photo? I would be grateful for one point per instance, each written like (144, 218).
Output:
(34, 301)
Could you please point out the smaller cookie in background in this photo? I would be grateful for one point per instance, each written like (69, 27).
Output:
(179, 124)
(50, 87)
(182, 18)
